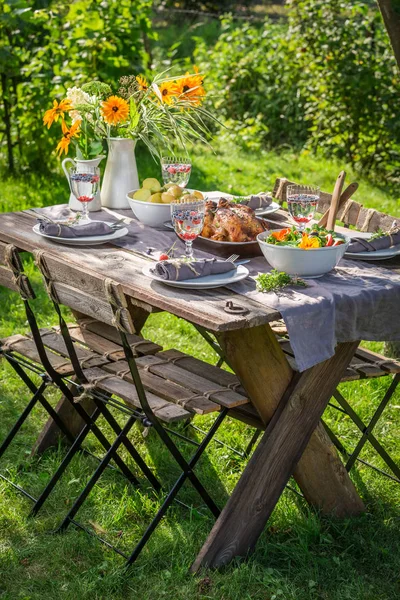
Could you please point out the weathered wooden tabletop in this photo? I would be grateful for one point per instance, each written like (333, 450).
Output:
(290, 405)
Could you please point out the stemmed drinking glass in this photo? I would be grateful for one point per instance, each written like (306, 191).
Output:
(302, 203)
(84, 186)
(188, 219)
(176, 170)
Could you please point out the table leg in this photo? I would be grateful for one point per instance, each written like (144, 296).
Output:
(260, 364)
(300, 408)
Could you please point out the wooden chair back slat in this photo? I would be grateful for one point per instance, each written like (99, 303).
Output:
(372, 220)
(84, 292)
(11, 272)
(352, 213)
(7, 279)
(280, 190)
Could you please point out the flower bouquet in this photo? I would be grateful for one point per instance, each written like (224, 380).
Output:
(165, 114)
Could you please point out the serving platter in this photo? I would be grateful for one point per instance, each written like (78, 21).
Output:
(225, 249)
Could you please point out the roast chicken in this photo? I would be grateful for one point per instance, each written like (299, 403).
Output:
(229, 222)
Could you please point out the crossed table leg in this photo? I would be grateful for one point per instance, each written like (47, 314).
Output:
(301, 399)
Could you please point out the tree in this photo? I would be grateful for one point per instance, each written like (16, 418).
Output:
(390, 10)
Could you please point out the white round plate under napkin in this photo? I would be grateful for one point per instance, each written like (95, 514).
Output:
(93, 240)
(384, 254)
(202, 283)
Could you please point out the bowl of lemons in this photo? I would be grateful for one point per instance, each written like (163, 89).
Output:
(151, 203)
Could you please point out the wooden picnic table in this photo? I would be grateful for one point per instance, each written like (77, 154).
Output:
(288, 405)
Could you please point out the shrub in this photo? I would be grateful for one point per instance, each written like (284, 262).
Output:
(254, 79)
(60, 45)
(350, 83)
(328, 82)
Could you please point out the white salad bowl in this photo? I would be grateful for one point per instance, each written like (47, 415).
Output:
(150, 213)
(303, 263)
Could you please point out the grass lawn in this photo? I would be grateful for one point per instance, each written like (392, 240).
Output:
(300, 556)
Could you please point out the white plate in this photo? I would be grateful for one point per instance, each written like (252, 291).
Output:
(202, 283)
(384, 254)
(273, 207)
(94, 240)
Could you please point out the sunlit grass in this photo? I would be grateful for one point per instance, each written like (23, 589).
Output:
(300, 556)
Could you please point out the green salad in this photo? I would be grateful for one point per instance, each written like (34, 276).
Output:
(308, 239)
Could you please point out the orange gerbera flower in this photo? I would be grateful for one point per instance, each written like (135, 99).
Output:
(115, 110)
(191, 88)
(68, 134)
(280, 235)
(168, 91)
(143, 85)
(57, 111)
(308, 243)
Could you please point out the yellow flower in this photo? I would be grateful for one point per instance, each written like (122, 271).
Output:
(143, 85)
(307, 243)
(68, 134)
(115, 110)
(168, 90)
(191, 89)
(57, 111)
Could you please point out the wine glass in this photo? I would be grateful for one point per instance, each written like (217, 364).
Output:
(84, 186)
(188, 219)
(302, 203)
(176, 170)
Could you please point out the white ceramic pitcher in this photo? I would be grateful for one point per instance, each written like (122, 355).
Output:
(81, 165)
(120, 176)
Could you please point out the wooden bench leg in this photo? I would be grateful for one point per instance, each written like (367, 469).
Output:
(241, 522)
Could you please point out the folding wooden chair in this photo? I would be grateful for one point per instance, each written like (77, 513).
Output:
(365, 364)
(29, 354)
(23, 355)
(167, 387)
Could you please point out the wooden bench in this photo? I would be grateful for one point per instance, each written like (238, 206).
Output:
(351, 213)
(179, 385)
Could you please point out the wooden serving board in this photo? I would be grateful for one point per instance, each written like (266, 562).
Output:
(225, 249)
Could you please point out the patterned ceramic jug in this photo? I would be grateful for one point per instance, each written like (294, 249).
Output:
(80, 165)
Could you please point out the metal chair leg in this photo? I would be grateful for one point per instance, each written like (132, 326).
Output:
(175, 489)
(252, 442)
(367, 429)
(76, 446)
(22, 418)
(97, 474)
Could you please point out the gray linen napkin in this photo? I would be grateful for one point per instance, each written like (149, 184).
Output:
(381, 243)
(355, 301)
(74, 231)
(261, 200)
(181, 270)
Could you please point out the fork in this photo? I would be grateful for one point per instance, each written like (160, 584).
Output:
(232, 258)
(118, 224)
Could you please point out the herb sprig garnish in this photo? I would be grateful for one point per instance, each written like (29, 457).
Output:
(276, 280)
(378, 234)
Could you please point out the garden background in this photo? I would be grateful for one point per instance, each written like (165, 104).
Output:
(302, 89)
